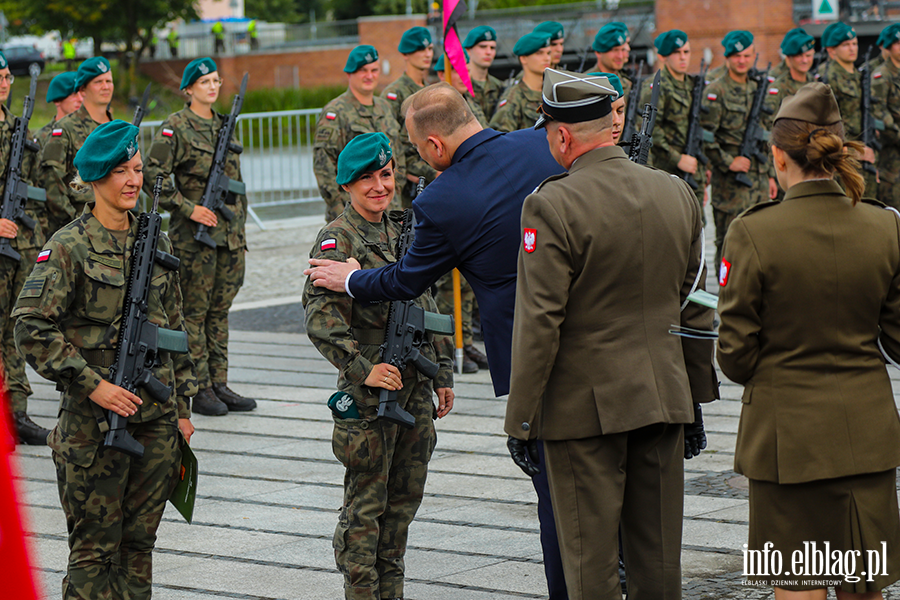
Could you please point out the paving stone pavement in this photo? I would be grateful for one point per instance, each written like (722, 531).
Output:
(270, 489)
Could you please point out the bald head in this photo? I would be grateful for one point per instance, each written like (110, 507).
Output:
(437, 110)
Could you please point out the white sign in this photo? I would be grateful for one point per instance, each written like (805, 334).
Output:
(825, 10)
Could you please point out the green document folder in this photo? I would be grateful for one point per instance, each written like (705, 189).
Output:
(185, 492)
(704, 298)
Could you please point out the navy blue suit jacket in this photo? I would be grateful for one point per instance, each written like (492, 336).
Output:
(470, 218)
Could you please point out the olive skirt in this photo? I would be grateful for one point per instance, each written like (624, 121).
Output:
(842, 532)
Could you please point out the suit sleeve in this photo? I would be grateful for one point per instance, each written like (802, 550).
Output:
(740, 302)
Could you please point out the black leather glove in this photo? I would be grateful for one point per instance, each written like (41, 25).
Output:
(525, 454)
(694, 435)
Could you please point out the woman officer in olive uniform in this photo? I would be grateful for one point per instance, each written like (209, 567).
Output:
(210, 277)
(69, 315)
(810, 310)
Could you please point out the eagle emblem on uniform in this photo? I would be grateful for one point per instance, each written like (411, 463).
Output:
(369, 57)
(621, 40)
(344, 403)
(739, 46)
(487, 35)
(529, 239)
(131, 150)
(102, 67)
(724, 271)
(203, 68)
(2, 63)
(679, 42)
(382, 157)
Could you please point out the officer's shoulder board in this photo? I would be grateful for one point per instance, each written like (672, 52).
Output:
(874, 202)
(758, 207)
(548, 180)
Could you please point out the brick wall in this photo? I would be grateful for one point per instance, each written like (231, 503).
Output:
(384, 33)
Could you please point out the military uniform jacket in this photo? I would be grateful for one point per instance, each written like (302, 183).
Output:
(396, 93)
(610, 252)
(25, 238)
(348, 332)
(72, 301)
(487, 94)
(728, 103)
(810, 290)
(847, 89)
(185, 146)
(888, 77)
(343, 119)
(44, 133)
(518, 110)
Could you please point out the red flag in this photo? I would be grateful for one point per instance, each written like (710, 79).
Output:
(14, 548)
(453, 10)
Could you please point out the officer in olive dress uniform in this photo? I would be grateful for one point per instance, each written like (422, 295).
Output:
(353, 113)
(481, 44)
(185, 146)
(386, 463)
(583, 350)
(810, 307)
(69, 315)
(888, 77)
(611, 47)
(518, 109)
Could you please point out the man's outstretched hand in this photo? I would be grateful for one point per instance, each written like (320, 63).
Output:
(331, 274)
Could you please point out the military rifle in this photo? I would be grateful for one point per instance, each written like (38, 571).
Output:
(221, 189)
(755, 135)
(693, 143)
(628, 130)
(407, 330)
(869, 123)
(17, 192)
(141, 109)
(642, 140)
(140, 341)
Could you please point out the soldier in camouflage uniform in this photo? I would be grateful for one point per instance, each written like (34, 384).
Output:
(353, 113)
(481, 44)
(557, 40)
(69, 315)
(612, 49)
(799, 49)
(519, 109)
(210, 277)
(888, 77)
(13, 273)
(95, 82)
(66, 97)
(728, 101)
(386, 464)
(417, 50)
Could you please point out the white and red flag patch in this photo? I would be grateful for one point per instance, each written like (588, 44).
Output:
(329, 244)
(502, 102)
(711, 97)
(56, 132)
(877, 76)
(529, 240)
(724, 271)
(44, 256)
(391, 96)
(773, 91)
(167, 132)
(331, 116)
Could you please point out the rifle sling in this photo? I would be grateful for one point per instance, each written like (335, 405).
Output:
(105, 358)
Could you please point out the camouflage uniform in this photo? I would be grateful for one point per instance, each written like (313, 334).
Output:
(778, 70)
(518, 110)
(210, 277)
(728, 105)
(783, 87)
(476, 110)
(69, 314)
(343, 119)
(57, 169)
(386, 464)
(12, 273)
(44, 133)
(487, 94)
(889, 156)
(626, 82)
(395, 94)
(716, 73)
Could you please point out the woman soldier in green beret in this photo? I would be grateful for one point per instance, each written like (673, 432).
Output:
(386, 464)
(210, 277)
(69, 315)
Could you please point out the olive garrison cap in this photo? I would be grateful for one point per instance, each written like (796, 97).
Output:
(365, 153)
(836, 34)
(439, 65)
(613, 81)
(814, 103)
(108, 146)
(360, 57)
(552, 28)
(482, 33)
(413, 40)
(668, 42)
(61, 87)
(530, 43)
(610, 35)
(3, 63)
(574, 98)
(889, 35)
(736, 41)
(797, 41)
(89, 69)
(196, 69)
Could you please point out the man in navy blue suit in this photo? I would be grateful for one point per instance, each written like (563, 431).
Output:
(468, 218)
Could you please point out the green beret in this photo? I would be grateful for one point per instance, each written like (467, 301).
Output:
(836, 34)
(61, 87)
(814, 103)
(196, 69)
(108, 146)
(530, 43)
(573, 98)
(439, 65)
(89, 69)
(360, 57)
(3, 63)
(889, 35)
(614, 81)
(736, 41)
(797, 41)
(552, 28)
(670, 41)
(414, 39)
(610, 36)
(365, 153)
(482, 33)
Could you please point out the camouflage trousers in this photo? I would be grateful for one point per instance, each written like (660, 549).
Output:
(889, 177)
(444, 299)
(113, 508)
(12, 278)
(210, 279)
(730, 198)
(383, 487)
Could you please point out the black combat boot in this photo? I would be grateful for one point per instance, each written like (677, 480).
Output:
(206, 403)
(28, 431)
(476, 356)
(233, 400)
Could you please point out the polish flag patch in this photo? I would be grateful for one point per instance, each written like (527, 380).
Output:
(167, 132)
(331, 116)
(773, 91)
(771, 79)
(391, 96)
(724, 271)
(44, 256)
(502, 102)
(711, 97)
(329, 244)
(877, 76)
(56, 132)
(529, 240)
